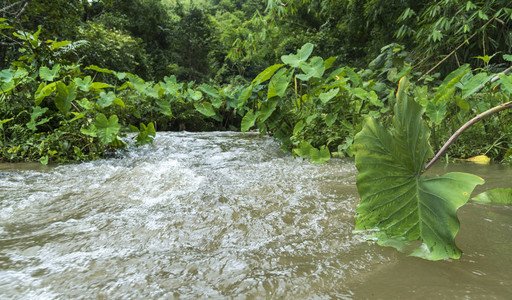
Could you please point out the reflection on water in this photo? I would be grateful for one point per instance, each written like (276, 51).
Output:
(224, 215)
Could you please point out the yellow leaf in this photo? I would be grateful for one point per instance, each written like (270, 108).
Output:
(479, 159)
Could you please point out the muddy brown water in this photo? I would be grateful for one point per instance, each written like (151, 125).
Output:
(225, 216)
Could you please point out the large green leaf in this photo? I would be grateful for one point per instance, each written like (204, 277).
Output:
(84, 84)
(495, 196)
(475, 84)
(248, 120)
(106, 99)
(49, 74)
(302, 55)
(205, 108)
(65, 95)
(447, 88)
(398, 205)
(278, 84)
(266, 74)
(106, 129)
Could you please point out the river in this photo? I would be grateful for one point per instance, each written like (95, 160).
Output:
(225, 216)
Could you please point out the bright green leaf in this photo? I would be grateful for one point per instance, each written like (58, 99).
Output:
(330, 119)
(495, 196)
(98, 69)
(107, 129)
(267, 109)
(84, 84)
(320, 156)
(278, 84)
(475, 84)
(248, 120)
(266, 74)
(298, 127)
(205, 108)
(99, 86)
(302, 55)
(244, 96)
(65, 95)
(49, 74)
(325, 97)
(398, 205)
(447, 88)
(436, 112)
(506, 83)
(44, 91)
(105, 100)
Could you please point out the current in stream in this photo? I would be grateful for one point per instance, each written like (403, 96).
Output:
(225, 216)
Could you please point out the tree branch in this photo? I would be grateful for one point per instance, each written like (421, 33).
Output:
(466, 126)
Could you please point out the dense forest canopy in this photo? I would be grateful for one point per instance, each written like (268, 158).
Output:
(85, 72)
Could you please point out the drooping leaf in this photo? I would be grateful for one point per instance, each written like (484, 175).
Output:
(244, 96)
(494, 196)
(248, 120)
(154, 91)
(205, 108)
(447, 88)
(298, 127)
(165, 107)
(326, 96)
(43, 91)
(267, 109)
(65, 95)
(209, 90)
(98, 69)
(99, 86)
(266, 74)
(106, 129)
(330, 119)
(57, 45)
(506, 83)
(278, 84)
(398, 204)
(479, 159)
(475, 84)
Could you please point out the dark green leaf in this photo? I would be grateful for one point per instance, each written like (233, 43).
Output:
(248, 120)
(65, 95)
(495, 196)
(107, 129)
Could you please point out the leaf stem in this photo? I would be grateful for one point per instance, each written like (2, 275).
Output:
(466, 126)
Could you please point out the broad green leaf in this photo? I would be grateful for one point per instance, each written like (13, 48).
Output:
(320, 156)
(105, 100)
(98, 69)
(91, 131)
(165, 107)
(146, 134)
(244, 96)
(209, 90)
(107, 129)
(315, 68)
(298, 127)
(463, 104)
(475, 84)
(99, 86)
(436, 112)
(447, 88)
(326, 96)
(330, 119)
(205, 108)
(84, 84)
(507, 57)
(65, 95)
(57, 45)
(49, 74)
(195, 95)
(506, 83)
(267, 109)
(6, 76)
(278, 84)
(495, 196)
(266, 74)
(37, 112)
(138, 84)
(304, 149)
(353, 76)
(399, 206)
(302, 55)
(154, 91)
(119, 102)
(170, 85)
(248, 120)
(329, 62)
(43, 91)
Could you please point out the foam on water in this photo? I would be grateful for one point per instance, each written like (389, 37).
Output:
(220, 215)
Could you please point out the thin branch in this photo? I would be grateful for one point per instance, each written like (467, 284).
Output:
(12, 5)
(455, 50)
(466, 126)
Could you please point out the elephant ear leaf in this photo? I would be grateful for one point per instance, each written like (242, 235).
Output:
(399, 206)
